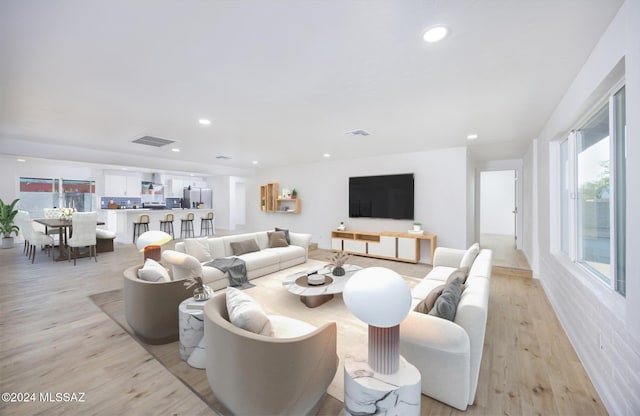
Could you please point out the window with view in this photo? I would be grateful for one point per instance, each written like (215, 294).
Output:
(592, 197)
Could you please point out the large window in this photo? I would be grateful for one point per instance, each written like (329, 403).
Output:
(36, 194)
(592, 197)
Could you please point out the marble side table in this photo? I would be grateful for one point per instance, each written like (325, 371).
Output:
(191, 326)
(367, 392)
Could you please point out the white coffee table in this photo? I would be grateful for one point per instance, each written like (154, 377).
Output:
(315, 295)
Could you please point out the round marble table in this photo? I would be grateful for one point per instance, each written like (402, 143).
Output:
(315, 295)
(191, 327)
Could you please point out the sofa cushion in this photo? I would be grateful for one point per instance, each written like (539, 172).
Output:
(286, 327)
(260, 259)
(198, 248)
(442, 273)
(427, 303)
(277, 239)
(246, 313)
(447, 303)
(104, 234)
(244, 246)
(152, 271)
(285, 254)
(286, 234)
(469, 256)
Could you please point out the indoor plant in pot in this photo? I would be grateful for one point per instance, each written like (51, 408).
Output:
(337, 262)
(7, 226)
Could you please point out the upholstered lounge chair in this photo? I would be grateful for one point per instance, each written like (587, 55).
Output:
(151, 308)
(253, 374)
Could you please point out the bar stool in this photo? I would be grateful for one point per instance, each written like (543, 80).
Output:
(206, 224)
(140, 226)
(186, 225)
(166, 224)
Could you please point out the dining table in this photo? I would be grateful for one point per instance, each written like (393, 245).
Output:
(65, 227)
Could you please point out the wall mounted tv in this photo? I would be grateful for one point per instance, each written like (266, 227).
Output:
(386, 196)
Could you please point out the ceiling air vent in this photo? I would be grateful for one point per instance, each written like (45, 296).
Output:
(221, 157)
(357, 133)
(153, 141)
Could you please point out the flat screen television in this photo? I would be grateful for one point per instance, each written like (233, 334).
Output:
(386, 196)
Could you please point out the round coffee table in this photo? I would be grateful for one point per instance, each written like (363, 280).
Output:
(315, 295)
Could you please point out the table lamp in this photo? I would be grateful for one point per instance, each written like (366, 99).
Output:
(382, 299)
(149, 243)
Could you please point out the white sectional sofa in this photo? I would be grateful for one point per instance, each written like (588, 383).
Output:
(448, 353)
(190, 255)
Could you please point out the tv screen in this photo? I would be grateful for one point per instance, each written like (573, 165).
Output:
(387, 196)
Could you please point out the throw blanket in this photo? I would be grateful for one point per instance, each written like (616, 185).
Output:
(237, 269)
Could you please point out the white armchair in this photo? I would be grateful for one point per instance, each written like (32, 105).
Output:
(84, 234)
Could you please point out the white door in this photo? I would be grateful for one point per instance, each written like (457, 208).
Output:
(498, 210)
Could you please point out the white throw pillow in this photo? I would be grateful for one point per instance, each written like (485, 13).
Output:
(152, 271)
(469, 257)
(198, 248)
(246, 313)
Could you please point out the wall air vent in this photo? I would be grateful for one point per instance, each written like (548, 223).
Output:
(153, 141)
(357, 133)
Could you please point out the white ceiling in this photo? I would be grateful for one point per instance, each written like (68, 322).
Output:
(282, 81)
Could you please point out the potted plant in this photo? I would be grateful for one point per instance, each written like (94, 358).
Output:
(341, 227)
(337, 263)
(7, 226)
(417, 226)
(294, 193)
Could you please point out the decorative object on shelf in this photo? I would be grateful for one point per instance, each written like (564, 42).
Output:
(7, 224)
(417, 226)
(337, 261)
(149, 243)
(286, 193)
(201, 292)
(294, 193)
(382, 299)
(67, 213)
(341, 227)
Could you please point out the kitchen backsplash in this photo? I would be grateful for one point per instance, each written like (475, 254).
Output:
(129, 202)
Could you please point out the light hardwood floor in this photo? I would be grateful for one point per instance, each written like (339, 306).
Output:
(55, 339)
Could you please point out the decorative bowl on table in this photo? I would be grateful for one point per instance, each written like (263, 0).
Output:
(316, 279)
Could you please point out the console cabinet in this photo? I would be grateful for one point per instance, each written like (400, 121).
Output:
(385, 245)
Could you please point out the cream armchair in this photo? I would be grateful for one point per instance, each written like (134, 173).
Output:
(151, 308)
(253, 374)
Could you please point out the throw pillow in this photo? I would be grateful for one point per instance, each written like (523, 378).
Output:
(198, 248)
(469, 257)
(152, 271)
(246, 313)
(286, 234)
(277, 239)
(459, 273)
(244, 246)
(447, 303)
(427, 303)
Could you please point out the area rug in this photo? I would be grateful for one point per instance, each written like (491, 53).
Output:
(276, 300)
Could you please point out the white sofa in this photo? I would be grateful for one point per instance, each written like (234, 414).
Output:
(187, 262)
(448, 353)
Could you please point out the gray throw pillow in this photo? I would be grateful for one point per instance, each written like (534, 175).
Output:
(447, 303)
(277, 239)
(286, 234)
(244, 246)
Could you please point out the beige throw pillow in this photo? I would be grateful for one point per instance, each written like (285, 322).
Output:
(198, 248)
(245, 246)
(152, 271)
(246, 313)
(277, 239)
(427, 303)
(469, 257)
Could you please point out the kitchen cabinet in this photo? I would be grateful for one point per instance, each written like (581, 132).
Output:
(122, 186)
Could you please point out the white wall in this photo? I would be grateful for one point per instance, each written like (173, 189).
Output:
(497, 202)
(603, 326)
(529, 207)
(440, 196)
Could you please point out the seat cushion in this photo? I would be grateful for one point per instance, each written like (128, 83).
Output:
(441, 273)
(104, 234)
(285, 254)
(286, 327)
(260, 259)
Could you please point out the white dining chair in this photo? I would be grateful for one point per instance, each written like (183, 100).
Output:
(84, 234)
(53, 213)
(32, 237)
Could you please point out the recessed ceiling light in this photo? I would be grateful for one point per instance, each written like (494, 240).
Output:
(327, 155)
(191, 174)
(204, 121)
(435, 33)
(125, 169)
(472, 136)
(21, 160)
(175, 149)
(255, 162)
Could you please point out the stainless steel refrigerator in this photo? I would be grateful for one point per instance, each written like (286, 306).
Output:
(194, 196)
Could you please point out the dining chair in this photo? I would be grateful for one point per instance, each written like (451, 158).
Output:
(84, 234)
(20, 222)
(32, 237)
(53, 213)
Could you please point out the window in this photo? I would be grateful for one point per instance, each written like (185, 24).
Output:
(592, 193)
(36, 194)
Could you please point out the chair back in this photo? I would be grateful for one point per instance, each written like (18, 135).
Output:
(84, 229)
(143, 219)
(168, 218)
(52, 213)
(23, 221)
(190, 216)
(209, 215)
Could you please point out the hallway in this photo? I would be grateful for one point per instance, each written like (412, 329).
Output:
(505, 255)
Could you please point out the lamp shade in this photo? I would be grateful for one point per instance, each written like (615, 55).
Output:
(152, 238)
(378, 296)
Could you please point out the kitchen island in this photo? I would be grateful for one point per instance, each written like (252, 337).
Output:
(120, 221)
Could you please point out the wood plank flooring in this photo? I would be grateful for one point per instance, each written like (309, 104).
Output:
(54, 338)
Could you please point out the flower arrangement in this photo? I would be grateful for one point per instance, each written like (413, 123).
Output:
(67, 213)
(337, 262)
(200, 290)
